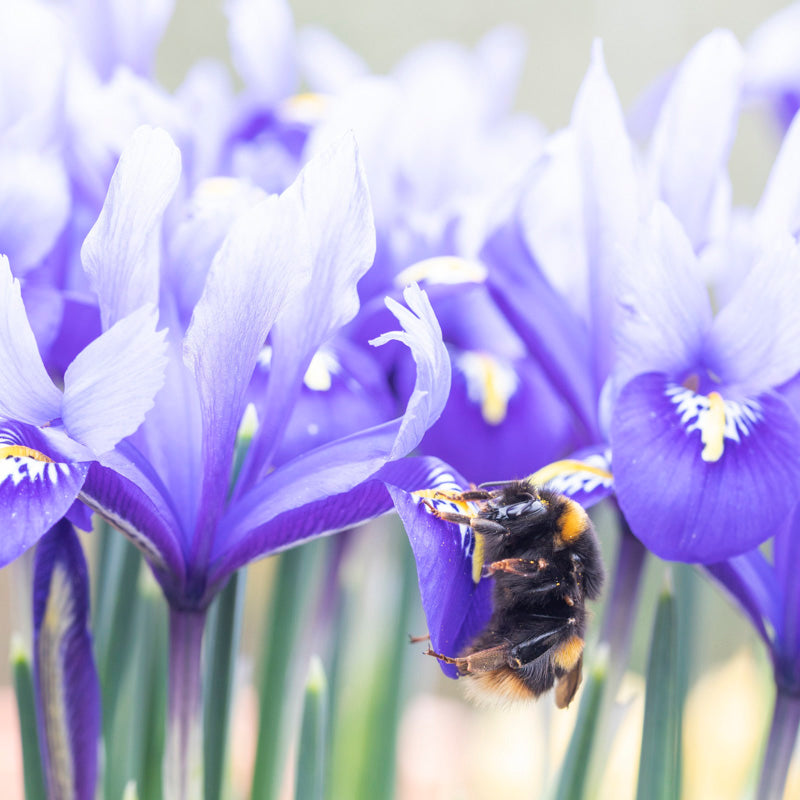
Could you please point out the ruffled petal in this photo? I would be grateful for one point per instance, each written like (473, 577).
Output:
(66, 682)
(36, 490)
(112, 383)
(691, 471)
(121, 252)
(26, 392)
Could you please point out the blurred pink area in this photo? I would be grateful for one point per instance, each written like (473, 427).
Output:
(10, 747)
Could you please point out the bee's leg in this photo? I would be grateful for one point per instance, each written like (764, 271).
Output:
(480, 661)
(478, 524)
(529, 650)
(418, 639)
(518, 566)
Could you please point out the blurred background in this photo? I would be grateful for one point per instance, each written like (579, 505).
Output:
(445, 748)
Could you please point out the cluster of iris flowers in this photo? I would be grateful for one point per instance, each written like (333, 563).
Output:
(194, 284)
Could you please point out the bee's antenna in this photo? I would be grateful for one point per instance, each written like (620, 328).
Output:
(486, 484)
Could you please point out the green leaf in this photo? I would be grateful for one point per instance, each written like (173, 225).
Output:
(295, 575)
(313, 735)
(659, 765)
(575, 767)
(23, 685)
(222, 645)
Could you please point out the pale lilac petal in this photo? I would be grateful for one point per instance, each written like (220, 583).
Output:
(65, 677)
(610, 191)
(263, 260)
(687, 502)
(112, 383)
(34, 493)
(261, 36)
(121, 252)
(663, 307)
(35, 198)
(778, 210)
(340, 465)
(423, 336)
(753, 343)
(695, 130)
(26, 392)
(328, 65)
(122, 32)
(772, 66)
(332, 193)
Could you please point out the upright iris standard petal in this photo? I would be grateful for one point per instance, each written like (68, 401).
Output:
(610, 193)
(456, 607)
(261, 34)
(111, 384)
(691, 470)
(26, 392)
(332, 197)
(753, 343)
(35, 490)
(695, 131)
(67, 687)
(263, 261)
(778, 209)
(341, 465)
(663, 306)
(121, 253)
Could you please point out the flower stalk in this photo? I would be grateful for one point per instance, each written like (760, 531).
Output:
(183, 764)
(782, 738)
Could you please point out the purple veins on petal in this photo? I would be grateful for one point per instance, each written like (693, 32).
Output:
(66, 683)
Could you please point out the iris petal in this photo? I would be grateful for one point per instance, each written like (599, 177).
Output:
(686, 508)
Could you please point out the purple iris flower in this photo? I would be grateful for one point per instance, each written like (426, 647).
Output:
(67, 686)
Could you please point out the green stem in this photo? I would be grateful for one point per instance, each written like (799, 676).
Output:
(782, 737)
(26, 705)
(183, 763)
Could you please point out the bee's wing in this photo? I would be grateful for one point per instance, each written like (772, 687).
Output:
(568, 684)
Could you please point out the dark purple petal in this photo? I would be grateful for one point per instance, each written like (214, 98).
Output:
(26, 392)
(35, 491)
(132, 512)
(456, 607)
(113, 381)
(751, 582)
(688, 478)
(695, 130)
(121, 254)
(66, 683)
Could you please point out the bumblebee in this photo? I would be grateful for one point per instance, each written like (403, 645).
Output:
(541, 552)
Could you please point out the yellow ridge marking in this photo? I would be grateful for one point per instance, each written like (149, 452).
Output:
(495, 403)
(566, 466)
(18, 451)
(478, 557)
(712, 428)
